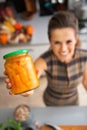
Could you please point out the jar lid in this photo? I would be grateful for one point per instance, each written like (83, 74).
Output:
(15, 53)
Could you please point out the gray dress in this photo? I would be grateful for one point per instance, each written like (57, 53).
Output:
(63, 78)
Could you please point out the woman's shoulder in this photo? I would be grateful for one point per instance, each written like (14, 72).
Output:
(81, 55)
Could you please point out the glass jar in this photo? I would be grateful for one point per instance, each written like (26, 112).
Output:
(21, 71)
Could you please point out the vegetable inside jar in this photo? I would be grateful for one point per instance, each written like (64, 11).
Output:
(21, 71)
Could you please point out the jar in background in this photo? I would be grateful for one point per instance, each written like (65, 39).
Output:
(21, 71)
(23, 114)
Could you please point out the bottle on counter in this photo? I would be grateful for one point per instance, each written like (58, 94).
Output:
(62, 5)
(21, 71)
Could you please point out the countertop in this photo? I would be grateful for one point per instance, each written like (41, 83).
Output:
(69, 115)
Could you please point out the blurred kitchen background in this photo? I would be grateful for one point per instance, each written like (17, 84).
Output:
(37, 14)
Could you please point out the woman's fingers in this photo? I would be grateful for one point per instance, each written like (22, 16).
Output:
(26, 94)
(8, 83)
(9, 86)
(5, 73)
(29, 93)
(11, 93)
(7, 80)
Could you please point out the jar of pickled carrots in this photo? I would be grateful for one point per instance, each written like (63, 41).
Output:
(21, 71)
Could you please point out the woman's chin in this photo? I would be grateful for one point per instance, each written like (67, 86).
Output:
(65, 60)
(62, 59)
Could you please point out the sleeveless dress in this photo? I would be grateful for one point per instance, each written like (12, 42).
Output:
(63, 78)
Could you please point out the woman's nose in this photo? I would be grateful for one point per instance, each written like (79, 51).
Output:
(63, 48)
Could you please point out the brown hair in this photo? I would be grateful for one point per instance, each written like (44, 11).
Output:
(63, 19)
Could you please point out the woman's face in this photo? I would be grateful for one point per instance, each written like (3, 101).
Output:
(63, 43)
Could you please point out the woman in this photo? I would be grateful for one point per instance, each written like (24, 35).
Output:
(65, 63)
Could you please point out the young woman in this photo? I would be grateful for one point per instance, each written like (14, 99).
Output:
(65, 63)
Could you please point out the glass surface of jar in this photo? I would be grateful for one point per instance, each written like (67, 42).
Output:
(21, 71)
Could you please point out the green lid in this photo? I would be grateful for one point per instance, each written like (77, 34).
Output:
(15, 53)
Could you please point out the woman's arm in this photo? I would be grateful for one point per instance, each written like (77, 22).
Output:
(40, 66)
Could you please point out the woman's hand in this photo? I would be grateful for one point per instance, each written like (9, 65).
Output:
(29, 93)
(9, 86)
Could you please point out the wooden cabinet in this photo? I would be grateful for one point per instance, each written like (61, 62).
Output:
(34, 50)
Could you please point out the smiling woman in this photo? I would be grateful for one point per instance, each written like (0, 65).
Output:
(63, 42)
(65, 63)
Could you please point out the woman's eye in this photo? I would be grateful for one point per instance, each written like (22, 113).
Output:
(57, 42)
(69, 42)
